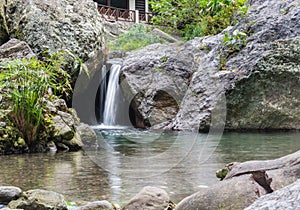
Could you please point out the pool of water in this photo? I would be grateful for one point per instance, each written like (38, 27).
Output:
(122, 161)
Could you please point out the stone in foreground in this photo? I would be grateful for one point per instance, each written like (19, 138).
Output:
(97, 205)
(39, 200)
(235, 193)
(9, 193)
(149, 198)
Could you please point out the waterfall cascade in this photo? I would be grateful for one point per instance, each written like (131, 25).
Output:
(110, 92)
(102, 94)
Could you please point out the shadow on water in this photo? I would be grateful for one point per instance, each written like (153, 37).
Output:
(121, 172)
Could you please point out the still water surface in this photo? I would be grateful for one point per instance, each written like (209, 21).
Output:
(122, 161)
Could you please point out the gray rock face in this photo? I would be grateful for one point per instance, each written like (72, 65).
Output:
(9, 193)
(204, 98)
(15, 49)
(268, 97)
(285, 198)
(97, 205)
(155, 80)
(259, 80)
(55, 26)
(39, 200)
(149, 198)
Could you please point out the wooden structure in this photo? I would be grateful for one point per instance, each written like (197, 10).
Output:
(124, 10)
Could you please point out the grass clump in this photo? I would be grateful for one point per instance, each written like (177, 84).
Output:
(137, 37)
(27, 84)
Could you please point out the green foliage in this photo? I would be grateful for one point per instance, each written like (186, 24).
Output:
(197, 17)
(71, 63)
(236, 41)
(232, 43)
(137, 37)
(71, 204)
(164, 59)
(26, 84)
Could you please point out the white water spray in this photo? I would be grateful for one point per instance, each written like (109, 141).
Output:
(111, 103)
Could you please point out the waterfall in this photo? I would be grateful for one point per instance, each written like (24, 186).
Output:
(111, 99)
(103, 85)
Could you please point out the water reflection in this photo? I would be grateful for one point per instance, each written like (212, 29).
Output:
(127, 156)
(72, 174)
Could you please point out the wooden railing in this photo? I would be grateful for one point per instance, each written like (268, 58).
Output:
(112, 13)
(145, 17)
(116, 14)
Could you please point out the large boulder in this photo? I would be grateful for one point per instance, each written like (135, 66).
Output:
(39, 200)
(9, 193)
(268, 98)
(285, 198)
(149, 198)
(155, 80)
(53, 26)
(259, 80)
(236, 193)
(245, 183)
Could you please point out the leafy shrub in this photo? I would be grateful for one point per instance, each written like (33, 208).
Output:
(26, 84)
(231, 44)
(236, 41)
(197, 17)
(137, 37)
